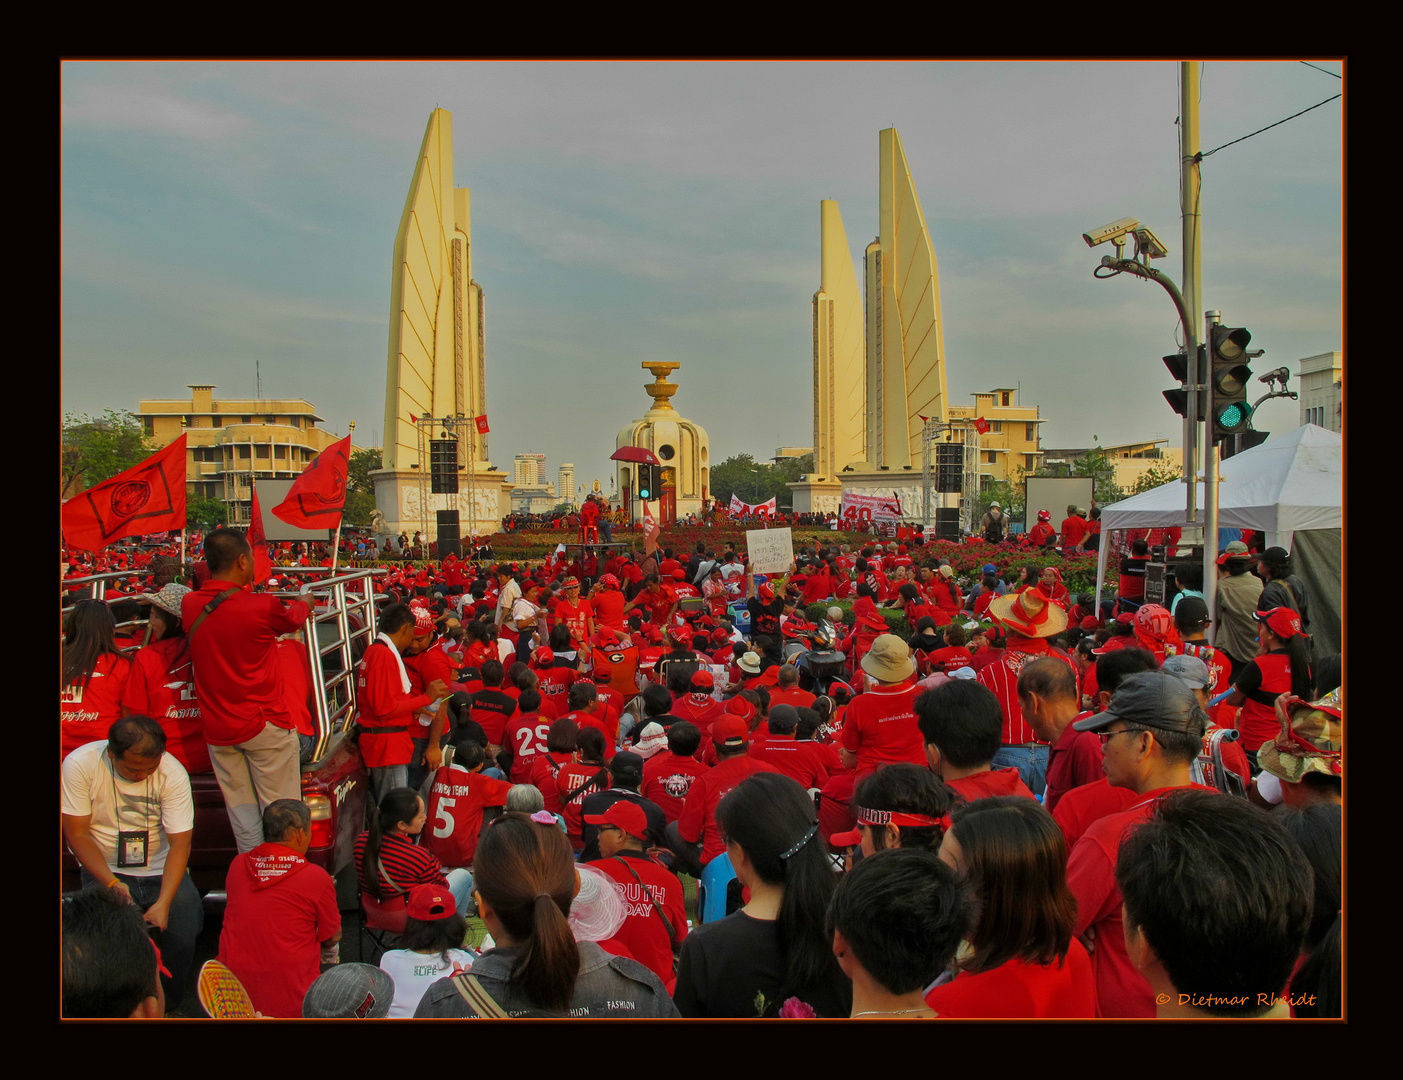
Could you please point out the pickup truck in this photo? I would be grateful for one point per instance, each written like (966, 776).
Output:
(335, 785)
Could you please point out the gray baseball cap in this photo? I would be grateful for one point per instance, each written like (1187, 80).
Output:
(350, 992)
(1152, 699)
(1189, 670)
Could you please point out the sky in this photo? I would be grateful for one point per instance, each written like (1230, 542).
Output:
(219, 217)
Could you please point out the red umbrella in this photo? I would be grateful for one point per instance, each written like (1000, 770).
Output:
(635, 453)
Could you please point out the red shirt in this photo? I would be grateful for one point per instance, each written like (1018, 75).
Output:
(1073, 761)
(667, 778)
(698, 819)
(280, 909)
(1121, 991)
(800, 699)
(880, 726)
(644, 933)
(1083, 806)
(162, 686)
(386, 714)
(985, 785)
(608, 605)
(808, 762)
(236, 677)
(701, 710)
(295, 668)
(456, 802)
(574, 616)
(1001, 677)
(1020, 990)
(1074, 531)
(1262, 679)
(952, 657)
(87, 711)
(545, 767)
(526, 735)
(572, 784)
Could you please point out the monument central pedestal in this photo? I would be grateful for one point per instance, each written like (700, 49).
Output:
(399, 496)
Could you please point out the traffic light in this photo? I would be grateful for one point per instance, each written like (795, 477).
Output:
(1178, 398)
(1227, 383)
(647, 481)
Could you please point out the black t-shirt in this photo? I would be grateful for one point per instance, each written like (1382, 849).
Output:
(764, 618)
(735, 968)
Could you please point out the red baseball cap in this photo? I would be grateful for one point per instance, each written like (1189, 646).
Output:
(430, 902)
(623, 815)
(703, 678)
(543, 656)
(730, 730)
(1281, 621)
(423, 621)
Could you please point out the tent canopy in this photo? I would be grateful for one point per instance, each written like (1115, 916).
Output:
(1291, 482)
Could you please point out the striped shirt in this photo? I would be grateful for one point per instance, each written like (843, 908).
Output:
(1001, 677)
(407, 864)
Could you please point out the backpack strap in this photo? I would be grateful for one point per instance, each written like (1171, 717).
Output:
(479, 1000)
(648, 893)
(209, 608)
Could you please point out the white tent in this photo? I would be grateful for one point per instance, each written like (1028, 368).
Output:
(1292, 483)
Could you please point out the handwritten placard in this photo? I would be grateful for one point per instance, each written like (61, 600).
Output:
(771, 550)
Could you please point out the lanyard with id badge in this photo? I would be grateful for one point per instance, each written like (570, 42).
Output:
(133, 845)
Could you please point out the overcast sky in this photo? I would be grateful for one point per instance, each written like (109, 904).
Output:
(221, 214)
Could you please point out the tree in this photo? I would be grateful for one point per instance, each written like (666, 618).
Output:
(756, 481)
(95, 449)
(1156, 476)
(202, 510)
(1007, 493)
(1097, 465)
(360, 490)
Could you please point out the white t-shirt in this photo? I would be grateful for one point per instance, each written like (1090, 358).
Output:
(161, 804)
(414, 972)
(511, 592)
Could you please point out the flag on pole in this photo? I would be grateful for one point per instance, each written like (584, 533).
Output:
(650, 531)
(981, 425)
(413, 419)
(147, 498)
(262, 562)
(481, 422)
(318, 496)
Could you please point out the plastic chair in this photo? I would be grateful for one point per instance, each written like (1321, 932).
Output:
(383, 919)
(712, 888)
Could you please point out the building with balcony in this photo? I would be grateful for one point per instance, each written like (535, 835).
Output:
(1322, 390)
(231, 443)
(1130, 460)
(1012, 442)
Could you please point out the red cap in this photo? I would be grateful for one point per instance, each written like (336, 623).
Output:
(845, 839)
(766, 591)
(679, 574)
(543, 656)
(423, 621)
(703, 678)
(1281, 621)
(623, 815)
(430, 902)
(609, 580)
(731, 730)
(1090, 622)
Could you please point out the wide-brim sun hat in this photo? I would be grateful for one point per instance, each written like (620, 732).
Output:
(889, 659)
(1028, 614)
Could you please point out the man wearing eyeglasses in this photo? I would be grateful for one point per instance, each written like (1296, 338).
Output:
(1150, 733)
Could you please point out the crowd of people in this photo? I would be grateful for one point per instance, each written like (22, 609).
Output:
(1029, 806)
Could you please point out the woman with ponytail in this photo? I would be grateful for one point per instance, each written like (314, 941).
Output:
(525, 883)
(775, 948)
(1282, 665)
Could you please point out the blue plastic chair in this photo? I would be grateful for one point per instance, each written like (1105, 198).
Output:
(711, 889)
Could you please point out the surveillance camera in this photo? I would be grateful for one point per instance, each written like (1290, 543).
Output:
(1114, 231)
(1147, 243)
(1280, 373)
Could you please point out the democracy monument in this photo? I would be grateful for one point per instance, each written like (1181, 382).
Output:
(879, 359)
(437, 366)
(683, 449)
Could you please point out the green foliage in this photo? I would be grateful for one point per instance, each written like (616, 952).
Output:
(756, 481)
(359, 504)
(561, 509)
(1157, 476)
(202, 510)
(1098, 466)
(95, 449)
(1007, 493)
(363, 462)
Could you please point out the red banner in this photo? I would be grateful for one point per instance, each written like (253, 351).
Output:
(262, 562)
(981, 425)
(650, 531)
(740, 509)
(481, 422)
(146, 498)
(318, 496)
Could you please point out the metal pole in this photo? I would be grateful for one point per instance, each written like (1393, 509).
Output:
(1210, 494)
(1190, 188)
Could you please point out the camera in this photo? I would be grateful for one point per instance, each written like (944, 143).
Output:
(1114, 231)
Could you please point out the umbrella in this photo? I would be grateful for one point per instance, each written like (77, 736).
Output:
(635, 453)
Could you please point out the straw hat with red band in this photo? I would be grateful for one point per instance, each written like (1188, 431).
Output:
(570, 583)
(883, 818)
(1312, 740)
(1028, 614)
(1281, 621)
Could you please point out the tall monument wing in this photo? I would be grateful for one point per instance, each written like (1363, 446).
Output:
(905, 347)
(839, 391)
(436, 364)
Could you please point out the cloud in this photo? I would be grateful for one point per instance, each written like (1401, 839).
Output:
(138, 109)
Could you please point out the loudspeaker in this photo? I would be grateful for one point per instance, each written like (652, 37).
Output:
(443, 466)
(947, 523)
(949, 467)
(448, 539)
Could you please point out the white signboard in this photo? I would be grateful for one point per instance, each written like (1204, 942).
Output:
(771, 550)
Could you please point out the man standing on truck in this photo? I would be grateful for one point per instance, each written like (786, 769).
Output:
(387, 703)
(251, 732)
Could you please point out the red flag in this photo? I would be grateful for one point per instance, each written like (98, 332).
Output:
(981, 425)
(146, 498)
(481, 422)
(317, 497)
(923, 419)
(650, 531)
(413, 419)
(262, 563)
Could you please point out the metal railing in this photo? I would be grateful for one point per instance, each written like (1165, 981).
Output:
(98, 583)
